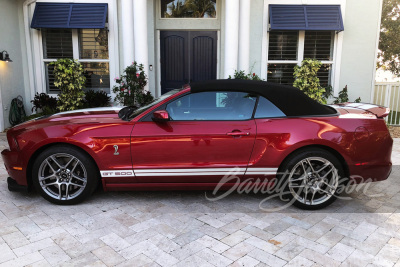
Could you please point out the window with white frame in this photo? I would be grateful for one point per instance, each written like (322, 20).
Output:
(188, 9)
(88, 46)
(286, 49)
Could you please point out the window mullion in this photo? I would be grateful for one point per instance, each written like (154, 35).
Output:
(282, 61)
(75, 44)
(300, 51)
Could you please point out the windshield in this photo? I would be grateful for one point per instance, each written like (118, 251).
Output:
(142, 109)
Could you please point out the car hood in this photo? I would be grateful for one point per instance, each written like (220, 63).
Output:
(81, 116)
(106, 112)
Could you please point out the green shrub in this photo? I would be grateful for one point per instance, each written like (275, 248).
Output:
(129, 90)
(34, 116)
(95, 99)
(328, 92)
(307, 81)
(343, 97)
(240, 75)
(69, 78)
(45, 103)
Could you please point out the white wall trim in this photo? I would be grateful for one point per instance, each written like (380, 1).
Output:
(244, 36)
(37, 54)
(265, 42)
(338, 43)
(1, 112)
(300, 49)
(27, 29)
(140, 35)
(218, 53)
(231, 40)
(158, 62)
(376, 52)
(337, 67)
(128, 43)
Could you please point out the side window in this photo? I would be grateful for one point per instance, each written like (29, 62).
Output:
(265, 109)
(212, 106)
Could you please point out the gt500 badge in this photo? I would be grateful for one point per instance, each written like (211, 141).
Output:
(123, 173)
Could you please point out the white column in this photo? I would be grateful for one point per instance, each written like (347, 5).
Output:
(231, 37)
(127, 32)
(141, 43)
(244, 35)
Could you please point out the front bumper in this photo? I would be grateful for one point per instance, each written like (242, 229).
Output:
(14, 186)
(15, 166)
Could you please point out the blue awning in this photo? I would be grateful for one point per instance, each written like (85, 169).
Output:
(306, 17)
(69, 16)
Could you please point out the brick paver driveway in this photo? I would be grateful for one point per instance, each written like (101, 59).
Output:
(185, 229)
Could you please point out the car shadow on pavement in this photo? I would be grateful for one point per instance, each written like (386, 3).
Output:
(373, 198)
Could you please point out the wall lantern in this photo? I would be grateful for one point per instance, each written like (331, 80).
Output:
(5, 56)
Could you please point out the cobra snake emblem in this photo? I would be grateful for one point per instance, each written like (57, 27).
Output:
(116, 153)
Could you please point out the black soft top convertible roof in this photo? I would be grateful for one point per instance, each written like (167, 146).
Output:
(288, 99)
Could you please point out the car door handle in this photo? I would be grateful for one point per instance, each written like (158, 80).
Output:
(237, 133)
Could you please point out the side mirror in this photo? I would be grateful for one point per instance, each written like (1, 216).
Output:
(160, 116)
(125, 112)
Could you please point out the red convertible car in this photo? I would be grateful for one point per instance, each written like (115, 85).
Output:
(191, 138)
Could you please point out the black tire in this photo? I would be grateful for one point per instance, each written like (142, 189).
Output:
(76, 183)
(300, 183)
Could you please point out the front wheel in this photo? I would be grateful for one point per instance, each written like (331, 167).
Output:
(313, 178)
(64, 175)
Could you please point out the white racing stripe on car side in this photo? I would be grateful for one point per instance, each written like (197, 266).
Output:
(185, 174)
(261, 171)
(189, 172)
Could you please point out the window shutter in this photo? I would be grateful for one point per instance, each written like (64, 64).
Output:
(306, 17)
(69, 16)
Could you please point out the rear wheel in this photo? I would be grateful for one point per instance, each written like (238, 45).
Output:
(64, 175)
(313, 178)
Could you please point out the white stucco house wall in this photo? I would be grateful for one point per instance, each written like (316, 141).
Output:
(231, 35)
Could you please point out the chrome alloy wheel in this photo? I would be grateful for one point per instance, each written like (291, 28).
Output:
(313, 180)
(62, 176)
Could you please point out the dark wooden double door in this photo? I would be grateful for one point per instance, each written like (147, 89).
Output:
(187, 56)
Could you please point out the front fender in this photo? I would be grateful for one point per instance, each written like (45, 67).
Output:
(97, 140)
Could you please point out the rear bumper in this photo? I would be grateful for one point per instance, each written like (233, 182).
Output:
(372, 159)
(371, 173)
(15, 167)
